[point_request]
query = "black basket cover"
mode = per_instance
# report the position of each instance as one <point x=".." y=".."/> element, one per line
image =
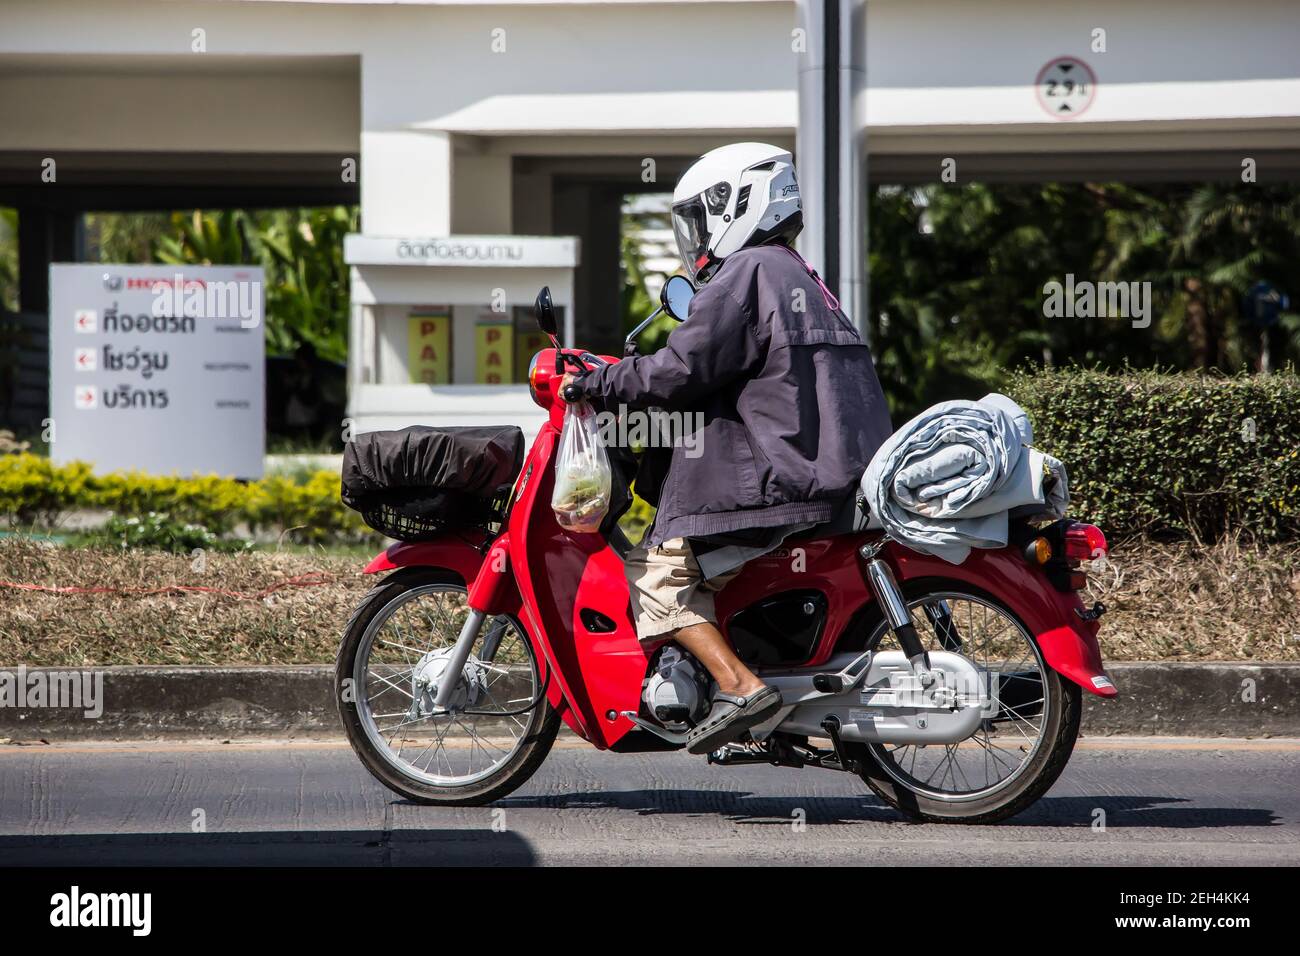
<point x="422" y="461"/>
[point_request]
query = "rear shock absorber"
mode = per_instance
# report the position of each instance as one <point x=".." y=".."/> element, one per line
<point x="885" y="587"/>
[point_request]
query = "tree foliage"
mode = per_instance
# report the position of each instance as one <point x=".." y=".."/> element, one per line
<point x="301" y="251"/>
<point x="957" y="277"/>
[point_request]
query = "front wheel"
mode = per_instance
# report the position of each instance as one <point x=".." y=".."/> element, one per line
<point x="1014" y="757"/>
<point x="498" y="727"/>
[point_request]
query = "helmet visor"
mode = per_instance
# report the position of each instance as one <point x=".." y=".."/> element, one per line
<point x="691" y="230"/>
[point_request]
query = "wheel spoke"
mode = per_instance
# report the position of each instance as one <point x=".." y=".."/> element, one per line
<point x="998" y="644"/>
<point x="410" y="638"/>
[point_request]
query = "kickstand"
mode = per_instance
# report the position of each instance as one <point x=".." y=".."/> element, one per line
<point x="832" y="727"/>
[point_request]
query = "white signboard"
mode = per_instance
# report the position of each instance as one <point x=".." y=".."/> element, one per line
<point x="159" y="368"/>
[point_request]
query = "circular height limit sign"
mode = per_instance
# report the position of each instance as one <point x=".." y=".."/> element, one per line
<point x="1065" y="87"/>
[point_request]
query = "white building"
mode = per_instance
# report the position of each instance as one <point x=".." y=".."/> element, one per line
<point x="472" y="125"/>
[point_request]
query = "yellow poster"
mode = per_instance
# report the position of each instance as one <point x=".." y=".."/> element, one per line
<point x="493" y="352"/>
<point x="527" y="344"/>
<point x="429" y="346"/>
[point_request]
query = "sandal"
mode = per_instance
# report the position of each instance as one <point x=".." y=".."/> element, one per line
<point x="731" y="716"/>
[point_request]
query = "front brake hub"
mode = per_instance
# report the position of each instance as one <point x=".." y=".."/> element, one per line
<point x="429" y="673"/>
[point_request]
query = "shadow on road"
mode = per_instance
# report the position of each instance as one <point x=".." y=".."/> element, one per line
<point x="482" y="846"/>
<point x="748" y="808"/>
<point x="1135" y="811"/>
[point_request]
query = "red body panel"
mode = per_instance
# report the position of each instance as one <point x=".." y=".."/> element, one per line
<point x="1069" y="643"/>
<point x="546" y="577"/>
<point x="560" y="574"/>
<point x="832" y="566"/>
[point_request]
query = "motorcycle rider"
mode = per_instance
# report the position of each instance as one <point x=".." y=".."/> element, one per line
<point x="792" y="413"/>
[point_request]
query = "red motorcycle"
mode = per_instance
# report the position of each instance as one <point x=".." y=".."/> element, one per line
<point x="954" y="691"/>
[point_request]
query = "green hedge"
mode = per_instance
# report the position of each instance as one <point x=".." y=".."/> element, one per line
<point x="34" y="491"/>
<point x="1170" y="455"/>
<point x="1173" y="455"/>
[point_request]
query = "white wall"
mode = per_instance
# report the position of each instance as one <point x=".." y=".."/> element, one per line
<point x="176" y="103"/>
<point x="953" y="63"/>
<point x="942" y="73"/>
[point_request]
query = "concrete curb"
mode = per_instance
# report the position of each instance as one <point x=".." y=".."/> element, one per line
<point x="1230" y="699"/>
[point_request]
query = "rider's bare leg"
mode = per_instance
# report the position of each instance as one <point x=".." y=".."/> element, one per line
<point x="705" y="642"/>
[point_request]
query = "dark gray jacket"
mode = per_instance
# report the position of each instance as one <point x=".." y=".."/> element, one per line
<point x="792" y="409"/>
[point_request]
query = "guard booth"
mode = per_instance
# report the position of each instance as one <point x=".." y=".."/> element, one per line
<point x="442" y="328"/>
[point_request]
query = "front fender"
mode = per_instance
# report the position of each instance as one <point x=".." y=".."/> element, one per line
<point x="462" y="555"/>
<point x="1068" y="642"/>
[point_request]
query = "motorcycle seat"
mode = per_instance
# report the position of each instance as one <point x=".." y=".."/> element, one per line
<point x="849" y="518"/>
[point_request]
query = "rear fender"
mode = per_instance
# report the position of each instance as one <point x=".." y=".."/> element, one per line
<point x="1068" y="642"/>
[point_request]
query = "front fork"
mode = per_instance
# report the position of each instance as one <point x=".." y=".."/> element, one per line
<point x="483" y="593"/>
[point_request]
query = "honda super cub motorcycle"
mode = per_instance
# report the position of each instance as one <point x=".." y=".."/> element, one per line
<point x="953" y="691"/>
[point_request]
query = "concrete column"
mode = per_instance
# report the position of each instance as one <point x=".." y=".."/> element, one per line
<point x="482" y="200"/>
<point x="831" y="145"/>
<point x="406" y="183"/>
<point x="531" y="201"/>
<point x="44" y="236"/>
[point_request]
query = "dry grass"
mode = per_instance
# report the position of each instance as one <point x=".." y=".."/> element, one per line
<point x="1167" y="602"/>
<point x="1183" y="601"/>
<point x="290" y="626"/>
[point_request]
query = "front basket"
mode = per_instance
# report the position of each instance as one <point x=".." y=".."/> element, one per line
<point x="407" y="518"/>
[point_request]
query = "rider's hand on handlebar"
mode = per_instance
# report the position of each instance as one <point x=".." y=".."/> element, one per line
<point x="568" y="390"/>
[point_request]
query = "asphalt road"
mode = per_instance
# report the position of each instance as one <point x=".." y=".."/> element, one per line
<point x="1176" y="803"/>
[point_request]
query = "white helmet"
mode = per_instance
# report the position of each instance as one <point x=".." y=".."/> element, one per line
<point x="734" y="196"/>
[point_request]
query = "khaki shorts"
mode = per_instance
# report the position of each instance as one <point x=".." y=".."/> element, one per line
<point x="668" y="591"/>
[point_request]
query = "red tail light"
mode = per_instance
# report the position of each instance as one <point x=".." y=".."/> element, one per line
<point x="1084" y="542"/>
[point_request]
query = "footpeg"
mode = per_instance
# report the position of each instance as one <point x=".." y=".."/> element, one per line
<point x="828" y="683"/>
<point x="1093" y="613"/>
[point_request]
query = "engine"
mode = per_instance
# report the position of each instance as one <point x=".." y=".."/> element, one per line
<point x="676" y="693"/>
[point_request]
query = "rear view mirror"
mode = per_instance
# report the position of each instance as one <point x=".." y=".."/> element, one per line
<point x="545" y="312"/>
<point x="675" y="297"/>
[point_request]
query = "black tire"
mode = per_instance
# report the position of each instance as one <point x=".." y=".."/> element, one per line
<point x="537" y="738"/>
<point x="1059" y="732"/>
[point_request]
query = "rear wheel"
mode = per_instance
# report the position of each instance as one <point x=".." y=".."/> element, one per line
<point x="1012" y="759"/>
<point x="499" y="726"/>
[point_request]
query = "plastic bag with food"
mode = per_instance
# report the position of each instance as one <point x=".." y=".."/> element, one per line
<point x="582" y="473"/>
